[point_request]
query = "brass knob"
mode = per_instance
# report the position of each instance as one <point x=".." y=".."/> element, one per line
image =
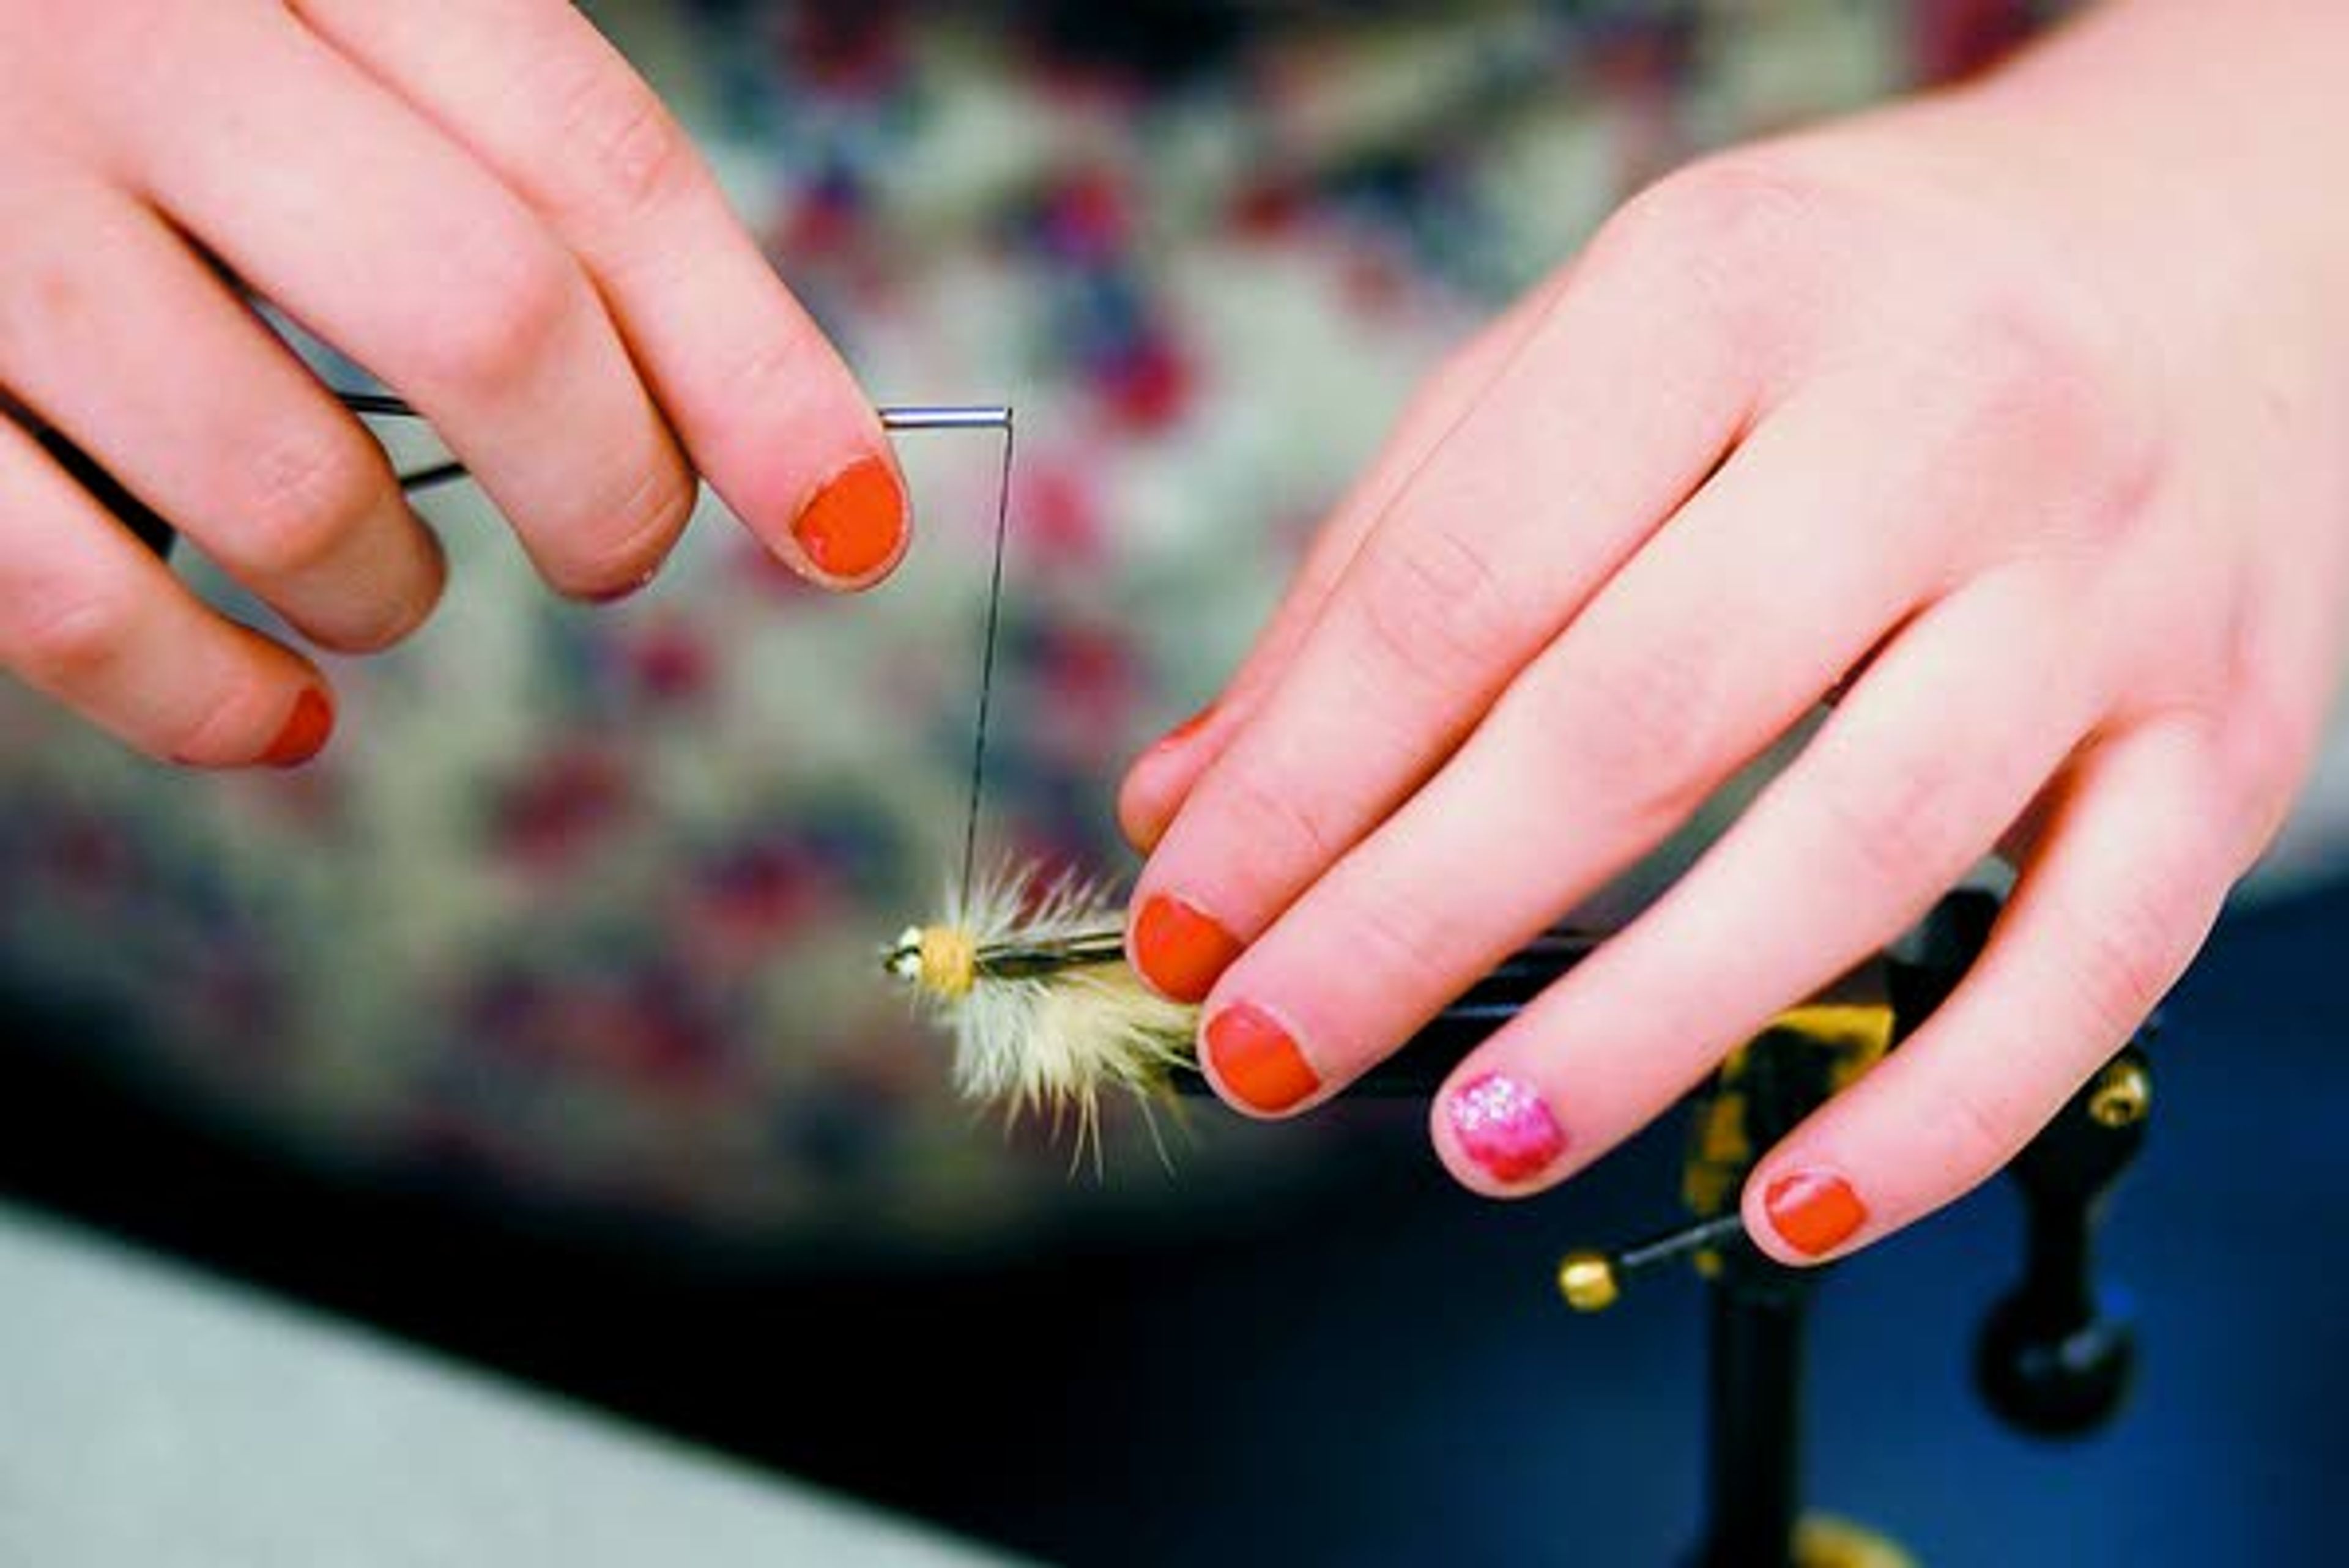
<point x="2123" y="1095"/>
<point x="1588" y="1282"/>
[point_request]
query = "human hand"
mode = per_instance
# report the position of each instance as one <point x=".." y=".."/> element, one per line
<point x="2014" y="418"/>
<point x="476" y="199"/>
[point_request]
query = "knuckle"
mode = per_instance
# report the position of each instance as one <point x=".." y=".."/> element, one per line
<point x="1281" y="825"/>
<point x="635" y="155"/>
<point x="1897" y="823"/>
<point x="68" y="640"/>
<point x="1387" y="939"/>
<point x="768" y="369"/>
<point x="1436" y="609"/>
<point x="1639" y="731"/>
<point x="1724" y="229"/>
<point x="2037" y="384"/>
<point x="50" y="298"/>
<point x="302" y="496"/>
<point x="517" y="297"/>
<point x="1984" y="1123"/>
<point x="1732" y="204"/>
<point x="2127" y="951"/>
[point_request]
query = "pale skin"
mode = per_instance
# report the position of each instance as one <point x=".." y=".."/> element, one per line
<point x="2024" y="410"/>
<point x="475" y="199"/>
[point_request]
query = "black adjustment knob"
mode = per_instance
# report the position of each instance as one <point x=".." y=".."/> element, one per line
<point x="2051" y="1377"/>
<point x="2051" y="1359"/>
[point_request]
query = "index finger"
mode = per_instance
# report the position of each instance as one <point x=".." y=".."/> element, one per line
<point x="1610" y="413"/>
<point x="761" y="400"/>
<point x="1160" y="779"/>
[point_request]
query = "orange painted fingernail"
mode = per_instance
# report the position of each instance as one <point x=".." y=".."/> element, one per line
<point x="852" y="526"/>
<point x="1256" y="1060"/>
<point x="1815" y="1210"/>
<point x="1179" y="949"/>
<point x="305" y="731"/>
<point x="1188" y="728"/>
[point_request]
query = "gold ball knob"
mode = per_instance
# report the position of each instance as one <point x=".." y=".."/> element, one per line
<point x="1588" y="1282"/>
<point x="2123" y="1096"/>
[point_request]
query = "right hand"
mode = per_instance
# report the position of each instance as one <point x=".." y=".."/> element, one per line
<point x="477" y="200"/>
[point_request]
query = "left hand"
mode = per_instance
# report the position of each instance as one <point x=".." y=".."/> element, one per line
<point x="2038" y="459"/>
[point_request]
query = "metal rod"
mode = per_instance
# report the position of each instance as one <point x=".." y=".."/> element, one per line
<point x="894" y="415"/>
<point x="1719" y="1231"/>
<point x="944" y="416"/>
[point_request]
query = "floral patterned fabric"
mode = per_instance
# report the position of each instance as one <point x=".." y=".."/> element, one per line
<point x="590" y="901"/>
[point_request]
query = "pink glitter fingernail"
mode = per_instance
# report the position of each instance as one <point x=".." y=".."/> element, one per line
<point x="1505" y="1127"/>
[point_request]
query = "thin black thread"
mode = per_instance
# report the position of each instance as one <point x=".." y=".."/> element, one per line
<point x="437" y="474"/>
<point x="987" y="665"/>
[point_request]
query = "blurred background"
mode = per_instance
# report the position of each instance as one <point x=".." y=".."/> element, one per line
<point x="540" y="1019"/>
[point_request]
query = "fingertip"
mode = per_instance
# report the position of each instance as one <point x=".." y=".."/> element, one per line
<point x="272" y="723"/>
<point x="1803" y="1213"/>
<point x="856" y="526"/>
<point x="1253" y="1061"/>
<point x="1498" y="1134"/>
<point x="401" y="613"/>
<point x="1156" y="782"/>
<point x="1143" y="808"/>
<point x="1178" y="949"/>
<point x="308" y="724"/>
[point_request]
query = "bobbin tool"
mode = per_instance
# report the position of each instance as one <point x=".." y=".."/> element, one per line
<point x="158" y="533"/>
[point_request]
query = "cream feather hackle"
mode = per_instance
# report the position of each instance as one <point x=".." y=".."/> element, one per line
<point x="1053" y="1042"/>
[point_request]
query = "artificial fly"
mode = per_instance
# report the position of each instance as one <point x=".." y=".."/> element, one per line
<point x="1028" y="974"/>
<point x="1029" y="971"/>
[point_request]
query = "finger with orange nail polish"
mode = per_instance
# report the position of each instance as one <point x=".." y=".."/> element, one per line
<point x="1255" y="1062"/>
<point x="1179" y="948"/>
<point x="853" y="528"/>
<point x="1814" y="1211"/>
<point x="305" y="731"/>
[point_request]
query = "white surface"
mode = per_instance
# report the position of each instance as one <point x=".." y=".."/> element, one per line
<point x="151" y="1416"/>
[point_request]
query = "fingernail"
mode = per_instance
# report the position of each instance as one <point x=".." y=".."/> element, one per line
<point x="1188" y="728"/>
<point x="1256" y="1059"/>
<point x="1505" y="1127"/>
<point x="1179" y="949"/>
<point x="1814" y="1210"/>
<point x="852" y="526"/>
<point x="305" y="731"/>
